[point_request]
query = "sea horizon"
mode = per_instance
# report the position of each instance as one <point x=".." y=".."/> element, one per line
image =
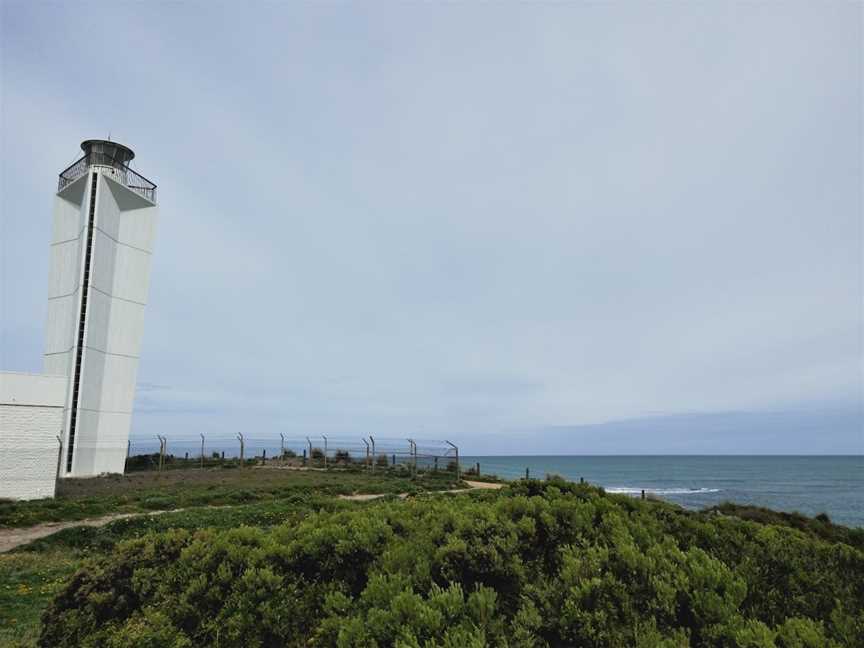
<point x="806" y="484"/>
<point x="674" y="454"/>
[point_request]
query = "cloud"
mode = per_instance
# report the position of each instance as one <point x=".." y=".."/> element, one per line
<point x="457" y="219"/>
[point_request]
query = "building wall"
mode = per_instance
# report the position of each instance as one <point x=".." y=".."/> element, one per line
<point x="119" y="282"/>
<point x="31" y="419"/>
<point x="65" y="277"/>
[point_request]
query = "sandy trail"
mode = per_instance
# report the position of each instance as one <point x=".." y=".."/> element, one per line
<point x="476" y="484"/>
<point x="472" y="485"/>
<point x="13" y="537"/>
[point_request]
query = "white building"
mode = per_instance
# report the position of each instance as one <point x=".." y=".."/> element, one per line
<point x="103" y="227"/>
<point x="31" y="422"/>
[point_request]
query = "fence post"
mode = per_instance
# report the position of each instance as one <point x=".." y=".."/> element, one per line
<point x="162" y="447"/>
<point x="366" y="443"/>
<point x="436" y="465"/>
<point x="394" y="461"/>
<point x="202" y="450"/>
<point x="282" y="448"/>
<point x="527" y="474"/>
<point x="374" y="458"/>
<point x="240" y="439"/>
<point x="325" y="451"/>
<point x="60" y="454"/>
<point x="458" y="472"/>
<point x="412" y="450"/>
<point x="309" y="441"/>
<point x="478" y="468"/>
<point x="264" y="457"/>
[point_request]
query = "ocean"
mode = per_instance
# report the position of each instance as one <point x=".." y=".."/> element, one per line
<point x="806" y="484"/>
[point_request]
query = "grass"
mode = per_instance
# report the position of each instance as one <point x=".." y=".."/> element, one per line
<point x="139" y="492"/>
<point x="259" y="496"/>
<point x="28" y="581"/>
<point x="818" y="527"/>
<point x="31" y="575"/>
<point x="86" y="541"/>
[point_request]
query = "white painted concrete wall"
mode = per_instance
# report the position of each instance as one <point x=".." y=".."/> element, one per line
<point x="65" y="277"/>
<point x="31" y="418"/>
<point x="119" y="282"/>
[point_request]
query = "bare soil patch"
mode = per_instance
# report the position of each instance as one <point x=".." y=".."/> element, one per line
<point x="487" y="485"/>
<point x="11" y="538"/>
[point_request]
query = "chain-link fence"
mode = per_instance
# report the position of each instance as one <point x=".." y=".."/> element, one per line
<point x="320" y="451"/>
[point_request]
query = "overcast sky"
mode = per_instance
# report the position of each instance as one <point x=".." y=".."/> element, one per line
<point x="454" y="220"/>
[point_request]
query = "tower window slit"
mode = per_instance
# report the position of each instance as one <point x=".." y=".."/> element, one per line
<point x="76" y="380"/>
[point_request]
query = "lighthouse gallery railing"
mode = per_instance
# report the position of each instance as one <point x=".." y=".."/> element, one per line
<point x="119" y="171"/>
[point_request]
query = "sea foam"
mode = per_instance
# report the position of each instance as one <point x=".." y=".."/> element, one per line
<point x="623" y="490"/>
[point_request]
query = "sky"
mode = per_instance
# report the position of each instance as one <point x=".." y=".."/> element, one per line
<point x="510" y="225"/>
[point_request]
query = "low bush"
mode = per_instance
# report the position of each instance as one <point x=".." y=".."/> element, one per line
<point x="819" y="526"/>
<point x="148" y="491"/>
<point x="157" y="503"/>
<point x="538" y="564"/>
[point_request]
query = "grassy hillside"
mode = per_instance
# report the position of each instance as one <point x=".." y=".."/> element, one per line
<point x="261" y="497"/>
<point x="537" y="564"/>
<point x="140" y="492"/>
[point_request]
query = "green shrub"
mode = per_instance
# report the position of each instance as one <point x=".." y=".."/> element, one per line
<point x="157" y="503"/>
<point x="539" y="564"/>
<point x="142" y="462"/>
<point x="819" y="526"/>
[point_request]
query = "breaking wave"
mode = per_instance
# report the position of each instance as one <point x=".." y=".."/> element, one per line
<point x="660" y="491"/>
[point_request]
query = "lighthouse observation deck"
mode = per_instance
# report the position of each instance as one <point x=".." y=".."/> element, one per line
<point x="112" y="158"/>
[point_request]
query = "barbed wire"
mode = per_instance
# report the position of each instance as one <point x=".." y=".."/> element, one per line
<point x="259" y="444"/>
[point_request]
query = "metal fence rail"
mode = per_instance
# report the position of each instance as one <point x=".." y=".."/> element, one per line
<point x="118" y="171"/>
<point x="326" y="451"/>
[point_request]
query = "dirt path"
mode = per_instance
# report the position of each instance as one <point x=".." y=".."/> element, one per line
<point x="11" y="538"/>
<point x="487" y="485"/>
<point x="472" y="485"/>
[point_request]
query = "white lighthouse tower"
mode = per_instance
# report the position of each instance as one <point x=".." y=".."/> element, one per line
<point x="104" y="223"/>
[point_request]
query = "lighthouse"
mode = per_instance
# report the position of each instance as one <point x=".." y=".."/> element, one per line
<point x="104" y="223"/>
